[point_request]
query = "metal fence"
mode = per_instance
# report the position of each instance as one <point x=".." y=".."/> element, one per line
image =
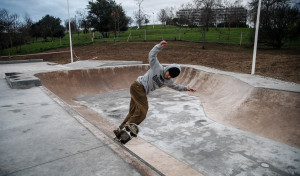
<point x="240" y="37"/>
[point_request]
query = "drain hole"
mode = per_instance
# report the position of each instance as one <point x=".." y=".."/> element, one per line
<point x="265" y="165"/>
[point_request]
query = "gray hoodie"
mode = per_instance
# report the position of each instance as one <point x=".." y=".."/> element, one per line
<point x="155" y="76"/>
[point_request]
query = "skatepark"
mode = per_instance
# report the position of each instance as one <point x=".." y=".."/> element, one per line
<point x="58" y="119"/>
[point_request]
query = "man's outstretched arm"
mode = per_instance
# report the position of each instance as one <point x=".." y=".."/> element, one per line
<point x="154" y="51"/>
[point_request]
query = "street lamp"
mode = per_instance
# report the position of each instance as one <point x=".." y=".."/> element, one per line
<point x="70" y="33"/>
<point x="153" y="20"/>
<point x="256" y="36"/>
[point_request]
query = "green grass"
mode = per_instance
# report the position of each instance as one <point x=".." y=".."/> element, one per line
<point x="159" y="32"/>
<point x="214" y="35"/>
<point x="38" y="45"/>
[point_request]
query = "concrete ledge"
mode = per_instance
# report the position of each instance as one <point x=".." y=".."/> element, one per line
<point x="122" y="63"/>
<point x="22" y="81"/>
<point x="21" y="61"/>
<point x="84" y="64"/>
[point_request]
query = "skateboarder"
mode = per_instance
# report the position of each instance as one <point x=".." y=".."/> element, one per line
<point x="156" y="77"/>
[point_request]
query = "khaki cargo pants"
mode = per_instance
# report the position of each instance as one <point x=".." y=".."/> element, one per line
<point x="138" y="104"/>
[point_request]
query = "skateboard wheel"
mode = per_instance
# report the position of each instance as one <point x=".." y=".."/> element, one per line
<point x="124" y="137"/>
<point x="133" y="129"/>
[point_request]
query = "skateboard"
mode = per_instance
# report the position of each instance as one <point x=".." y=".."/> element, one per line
<point x="127" y="133"/>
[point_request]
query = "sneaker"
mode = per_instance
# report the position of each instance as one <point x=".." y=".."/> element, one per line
<point x="117" y="131"/>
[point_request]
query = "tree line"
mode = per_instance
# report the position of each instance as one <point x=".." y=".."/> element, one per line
<point x="15" y="32"/>
<point x="102" y="15"/>
<point x="279" y="20"/>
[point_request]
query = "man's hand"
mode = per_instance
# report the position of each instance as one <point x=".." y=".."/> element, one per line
<point x="192" y="90"/>
<point x="163" y="43"/>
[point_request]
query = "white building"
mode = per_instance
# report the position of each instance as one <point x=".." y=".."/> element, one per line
<point x="217" y="16"/>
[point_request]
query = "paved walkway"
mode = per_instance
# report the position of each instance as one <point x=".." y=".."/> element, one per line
<point x="39" y="137"/>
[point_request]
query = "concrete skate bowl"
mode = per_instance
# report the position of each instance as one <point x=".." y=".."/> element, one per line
<point x="269" y="113"/>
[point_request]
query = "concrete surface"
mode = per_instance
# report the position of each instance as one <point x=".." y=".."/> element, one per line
<point x="254" y="80"/>
<point x="235" y="124"/>
<point x="177" y="124"/>
<point x="22" y="80"/>
<point x="21" y="61"/>
<point x="227" y="100"/>
<point x="38" y="137"/>
<point x="97" y="64"/>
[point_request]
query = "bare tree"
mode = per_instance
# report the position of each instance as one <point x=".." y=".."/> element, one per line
<point x="277" y="21"/>
<point x="166" y="16"/>
<point x="139" y="15"/>
<point x="146" y="20"/>
<point x="118" y="18"/>
<point x="186" y="15"/>
<point x="10" y="25"/>
<point x="25" y="30"/>
<point x="170" y="15"/>
<point x="130" y="21"/>
<point x="3" y="22"/>
<point x="82" y="20"/>
<point x="162" y="16"/>
<point x="73" y="25"/>
<point x="235" y="13"/>
<point x="207" y="16"/>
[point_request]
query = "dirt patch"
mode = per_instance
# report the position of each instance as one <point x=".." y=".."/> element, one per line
<point x="281" y="64"/>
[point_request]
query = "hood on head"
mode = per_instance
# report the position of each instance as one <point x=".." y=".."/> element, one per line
<point x="171" y="66"/>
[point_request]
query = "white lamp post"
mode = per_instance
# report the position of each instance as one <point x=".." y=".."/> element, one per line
<point x="70" y="33"/>
<point x="256" y="37"/>
<point x="153" y="20"/>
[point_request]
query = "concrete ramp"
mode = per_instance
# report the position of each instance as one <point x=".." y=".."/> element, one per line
<point x="271" y="113"/>
<point x="227" y="100"/>
<point x="221" y="143"/>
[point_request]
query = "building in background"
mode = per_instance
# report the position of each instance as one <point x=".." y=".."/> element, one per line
<point x="233" y="17"/>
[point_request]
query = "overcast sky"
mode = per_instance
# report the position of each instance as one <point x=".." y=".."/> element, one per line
<point x="36" y="9"/>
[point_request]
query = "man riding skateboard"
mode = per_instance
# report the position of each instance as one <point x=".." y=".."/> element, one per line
<point x="156" y="77"/>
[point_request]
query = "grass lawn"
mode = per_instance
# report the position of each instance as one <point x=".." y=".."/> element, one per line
<point x="236" y="36"/>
